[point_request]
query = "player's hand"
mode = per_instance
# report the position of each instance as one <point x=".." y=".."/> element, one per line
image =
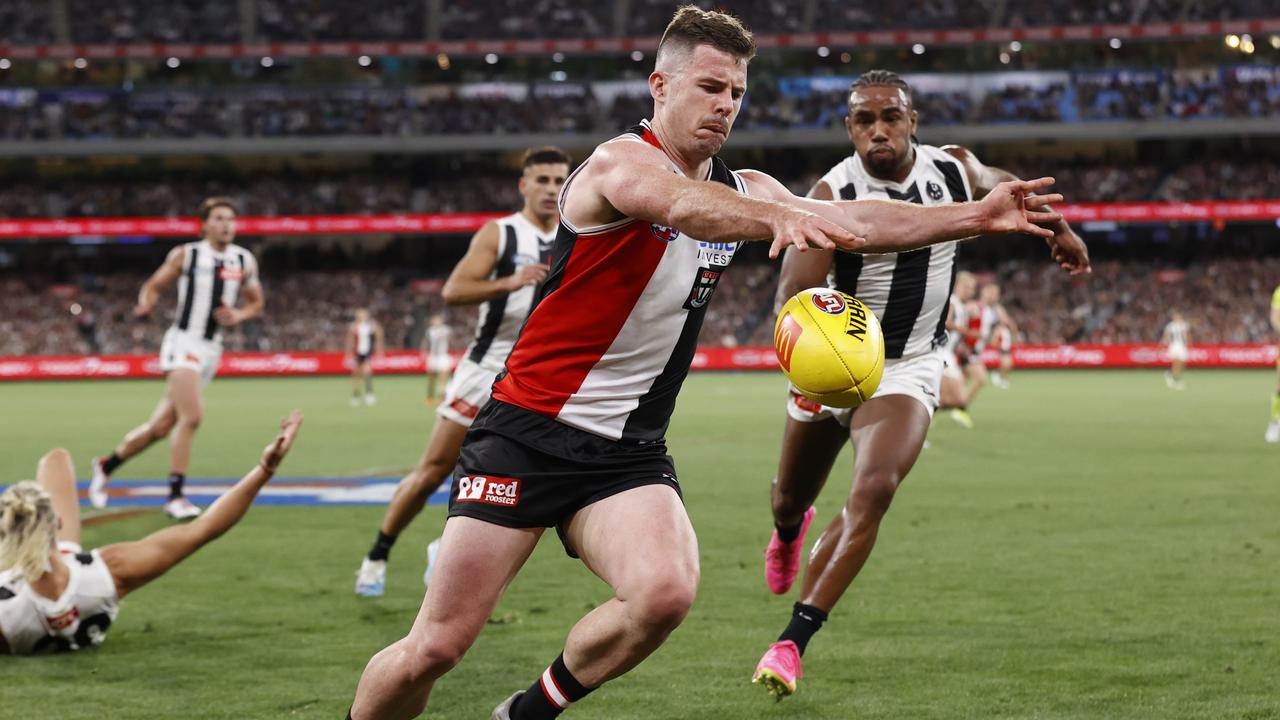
<point x="1011" y="207"/>
<point x="1069" y="251"/>
<point x="530" y="274"/>
<point x="142" y="310"/>
<point x="803" y="230"/>
<point x="226" y="316"/>
<point x="274" y="453"/>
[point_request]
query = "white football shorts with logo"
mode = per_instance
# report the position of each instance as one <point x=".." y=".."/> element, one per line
<point x="183" y="350"/>
<point x="919" y="377"/>
<point x="437" y="363"/>
<point x="78" y="619"/>
<point x="1178" y="352"/>
<point x="468" y="390"/>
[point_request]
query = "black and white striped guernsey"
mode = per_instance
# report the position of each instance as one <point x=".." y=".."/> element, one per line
<point x="520" y="243"/>
<point x="907" y="291"/>
<point x="209" y="280"/>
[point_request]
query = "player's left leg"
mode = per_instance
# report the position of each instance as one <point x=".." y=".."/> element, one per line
<point x="57" y="475"/>
<point x="641" y="543"/>
<point x="356" y="381"/>
<point x="809" y="449"/>
<point x="134" y="564"/>
<point x="157" y="427"/>
<point x="366" y="371"/>
<point x="888" y="434"/>
<point x="185" y="392"/>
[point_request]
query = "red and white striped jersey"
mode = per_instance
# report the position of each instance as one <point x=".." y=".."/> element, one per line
<point x="611" y="338"/>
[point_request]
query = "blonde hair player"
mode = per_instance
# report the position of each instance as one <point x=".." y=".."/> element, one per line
<point x="909" y="291"/>
<point x="56" y="597"/>
<point x="435" y="356"/>
<point x="213" y="275"/>
<point x="1176" y="339"/>
<point x="504" y="264"/>
<point x="365" y="341"/>
<point x="573" y="437"/>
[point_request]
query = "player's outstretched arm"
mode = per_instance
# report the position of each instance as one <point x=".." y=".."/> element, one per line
<point x="1066" y="247"/>
<point x="801" y="271"/>
<point x="893" y="226"/>
<point x="469" y="283"/>
<point x="163" y="277"/>
<point x="634" y="179"/>
<point x="134" y="564"/>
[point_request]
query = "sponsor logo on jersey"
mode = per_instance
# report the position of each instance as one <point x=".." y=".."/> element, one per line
<point x="831" y="303"/>
<point x="934" y="190"/>
<point x="664" y="233"/>
<point x="231" y="274"/>
<point x="857" y="321"/>
<point x="704" y="285"/>
<point x="464" y="408"/>
<point x="489" y="490"/>
<point x="785" y="339"/>
<point x="805" y="404"/>
<point x="716" y="253"/>
<point x="64" y="621"/>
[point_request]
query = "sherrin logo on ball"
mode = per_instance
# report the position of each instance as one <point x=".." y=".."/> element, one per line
<point x="830" y="346"/>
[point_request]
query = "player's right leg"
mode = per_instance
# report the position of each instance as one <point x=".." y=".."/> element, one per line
<point x="134" y="564"/>
<point x="953" y="395"/>
<point x="437" y="461"/>
<point x="185" y="386"/>
<point x="366" y="373"/>
<point x="157" y="427"/>
<point x="811" y="442"/>
<point x="477" y="561"/>
<point x="356" y="381"/>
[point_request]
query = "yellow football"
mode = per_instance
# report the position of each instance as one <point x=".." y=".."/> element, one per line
<point x="830" y="346"/>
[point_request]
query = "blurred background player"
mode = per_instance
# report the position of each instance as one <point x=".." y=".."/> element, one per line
<point x="365" y="340"/>
<point x="1175" y="338"/>
<point x="213" y="275"/>
<point x="993" y="318"/>
<point x="1273" y="428"/>
<point x="959" y="384"/>
<point x="909" y="292"/>
<point x="435" y="343"/>
<point x="504" y="264"/>
<point x="58" y="597"/>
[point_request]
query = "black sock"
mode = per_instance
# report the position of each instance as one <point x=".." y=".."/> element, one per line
<point x="789" y="534"/>
<point x="382" y="546"/>
<point x="111" y="463"/>
<point x="550" y="694"/>
<point x="805" y="621"/>
<point x="175" y="484"/>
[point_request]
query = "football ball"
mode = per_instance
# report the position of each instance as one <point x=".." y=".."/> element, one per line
<point x="830" y="346"/>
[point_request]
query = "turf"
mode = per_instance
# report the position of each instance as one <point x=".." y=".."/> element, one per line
<point x="1098" y="547"/>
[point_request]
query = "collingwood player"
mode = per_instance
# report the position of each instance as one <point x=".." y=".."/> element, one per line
<point x="213" y="275"/>
<point x="365" y="341"/>
<point x="435" y="346"/>
<point x="1176" y="337"/>
<point x="506" y="261"/>
<point x="909" y="292"/>
<point x="55" y="597"/>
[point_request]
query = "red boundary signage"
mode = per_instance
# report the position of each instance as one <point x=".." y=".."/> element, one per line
<point x="886" y="38"/>
<point x="461" y="223"/>
<point x="743" y="358"/>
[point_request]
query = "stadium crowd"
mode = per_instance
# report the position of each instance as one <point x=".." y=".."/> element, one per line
<point x="282" y="111"/>
<point x="1225" y="300"/>
<point x="178" y="21"/>
<point x="308" y="192"/>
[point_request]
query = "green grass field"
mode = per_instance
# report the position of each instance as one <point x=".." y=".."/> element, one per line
<point x="1098" y="547"/>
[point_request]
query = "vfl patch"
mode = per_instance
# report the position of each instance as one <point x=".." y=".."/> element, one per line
<point x="831" y="303"/>
<point x="504" y="492"/>
<point x="664" y="233"/>
<point x="64" y="621"/>
<point x="812" y="407"/>
<point x="231" y="274"/>
<point x="934" y="190"/>
<point x="464" y="408"/>
<point x="704" y="285"/>
<point x="785" y="339"/>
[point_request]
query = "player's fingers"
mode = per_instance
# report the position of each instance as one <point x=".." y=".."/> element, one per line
<point x="1030" y="186"/>
<point x="838" y="234"/>
<point x="1043" y="218"/>
<point x="1035" y="201"/>
<point x="1031" y="229"/>
<point x="775" y="247"/>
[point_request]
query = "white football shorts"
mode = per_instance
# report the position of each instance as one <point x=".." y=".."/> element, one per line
<point x="919" y="377"/>
<point x="184" y="350"/>
<point x="468" y="390"/>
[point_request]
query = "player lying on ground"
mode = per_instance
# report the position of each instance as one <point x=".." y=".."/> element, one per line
<point x="506" y="260"/>
<point x="213" y="275"/>
<point x="909" y="292"/>
<point x="574" y="435"/>
<point x="54" y="596"/>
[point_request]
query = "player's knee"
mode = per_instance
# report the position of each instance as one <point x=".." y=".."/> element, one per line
<point x="161" y="428"/>
<point x="665" y="601"/>
<point x="56" y="456"/>
<point x="786" y="502"/>
<point x="433" y="656"/>
<point x="191" y="420"/>
<point x="873" y="492"/>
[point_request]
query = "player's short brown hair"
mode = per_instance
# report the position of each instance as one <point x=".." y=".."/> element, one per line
<point x="212" y="203"/>
<point x="549" y="155"/>
<point x="692" y="26"/>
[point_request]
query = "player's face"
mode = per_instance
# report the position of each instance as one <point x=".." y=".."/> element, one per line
<point x="990" y="295"/>
<point x="220" y="227"/>
<point x="880" y="124"/>
<point x="540" y="185"/>
<point x="964" y="288"/>
<point x="700" y="99"/>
